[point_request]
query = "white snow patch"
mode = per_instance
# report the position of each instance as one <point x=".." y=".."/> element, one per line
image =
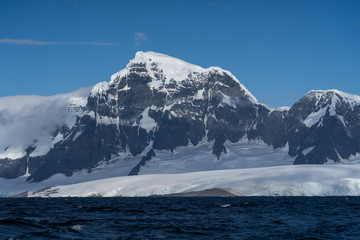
<point x="59" y="137"/>
<point x="77" y="134"/>
<point x="283" y="109"/>
<point x="227" y="100"/>
<point x="99" y="89"/>
<point x="315" y="117"/>
<point x="155" y="84"/>
<point x="90" y="113"/>
<point x="199" y="95"/>
<point x="126" y="88"/>
<point x="105" y="120"/>
<point x="146" y="121"/>
<point x="332" y="111"/>
<point x="307" y="150"/>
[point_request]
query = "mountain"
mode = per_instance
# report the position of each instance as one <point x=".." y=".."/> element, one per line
<point x="324" y="125"/>
<point x="159" y="109"/>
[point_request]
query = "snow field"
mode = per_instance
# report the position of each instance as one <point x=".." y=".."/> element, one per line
<point x="304" y="180"/>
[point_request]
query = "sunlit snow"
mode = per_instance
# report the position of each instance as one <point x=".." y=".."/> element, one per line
<point x="200" y="158"/>
<point x="304" y="180"/>
<point x="147" y="122"/>
<point x="315" y="117"/>
<point x="171" y="69"/>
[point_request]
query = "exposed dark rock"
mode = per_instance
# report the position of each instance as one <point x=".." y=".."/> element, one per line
<point x="143" y="108"/>
<point x="135" y="170"/>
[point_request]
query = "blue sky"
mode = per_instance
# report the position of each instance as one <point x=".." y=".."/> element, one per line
<point x="278" y="49"/>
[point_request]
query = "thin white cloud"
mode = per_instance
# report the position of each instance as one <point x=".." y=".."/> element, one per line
<point x="140" y="38"/>
<point x="35" y="42"/>
<point x="97" y="43"/>
<point x="25" y="42"/>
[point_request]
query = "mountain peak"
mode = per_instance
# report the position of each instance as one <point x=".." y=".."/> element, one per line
<point x="164" y="69"/>
<point x="334" y="91"/>
<point x="170" y="67"/>
<point x="333" y="97"/>
<point x="164" y="61"/>
<point x="319" y="103"/>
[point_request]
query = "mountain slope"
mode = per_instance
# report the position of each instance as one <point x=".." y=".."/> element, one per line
<point x="144" y="107"/>
<point x="159" y="104"/>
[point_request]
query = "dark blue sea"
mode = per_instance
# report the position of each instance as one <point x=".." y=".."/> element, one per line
<point x="181" y="218"/>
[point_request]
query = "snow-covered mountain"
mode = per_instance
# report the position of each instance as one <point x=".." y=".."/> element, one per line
<point x="323" y="126"/>
<point x="163" y="115"/>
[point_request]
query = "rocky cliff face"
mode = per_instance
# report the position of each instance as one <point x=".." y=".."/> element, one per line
<point x="324" y="125"/>
<point x="161" y="103"/>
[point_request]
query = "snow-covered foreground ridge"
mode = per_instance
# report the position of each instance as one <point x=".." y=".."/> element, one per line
<point x="304" y="180"/>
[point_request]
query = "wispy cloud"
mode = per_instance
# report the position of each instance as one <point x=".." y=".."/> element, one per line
<point x="140" y="38"/>
<point x="25" y="42"/>
<point x="35" y="42"/>
<point x="97" y="43"/>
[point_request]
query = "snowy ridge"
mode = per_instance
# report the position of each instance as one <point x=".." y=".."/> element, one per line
<point x="333" y="97"/>
<point x="99" y="89"/>
<point x="352" y="99"/>
<point x="305" y="180"/>
<point x="327" y="101"/>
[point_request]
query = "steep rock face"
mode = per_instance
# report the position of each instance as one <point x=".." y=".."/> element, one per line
<point x="148" y="106"/>
<point x="161" y="103"/>
<point x="324" y="125"/>
<point x="270" y="126"/>
<point x="321" y="126"/>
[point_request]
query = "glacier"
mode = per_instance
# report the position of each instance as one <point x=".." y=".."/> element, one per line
<point x="295" y="180"/>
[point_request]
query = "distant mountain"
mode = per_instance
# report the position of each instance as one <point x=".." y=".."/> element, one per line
<point x="323" y="126"/>
<point x="161" y="105"/>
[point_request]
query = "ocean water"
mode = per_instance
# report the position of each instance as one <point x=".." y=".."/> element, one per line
<point x="181" y="218"/>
